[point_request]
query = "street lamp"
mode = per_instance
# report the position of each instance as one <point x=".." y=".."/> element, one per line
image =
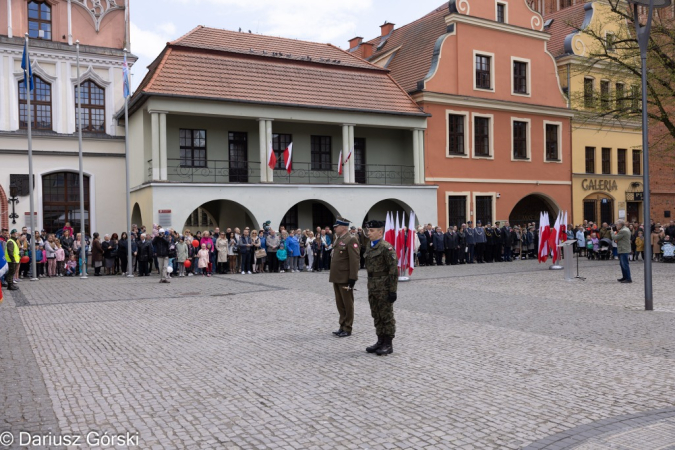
<point x="642" y="34"/>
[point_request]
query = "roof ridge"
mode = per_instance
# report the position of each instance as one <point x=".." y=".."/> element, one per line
<point x="176" y="41"/>
<point x="158" y="69"/>
<point x="439" y="9"/>
<point x="373" y="66"/>
<point x="264" y="35"/>
<point x="562" y="12"/>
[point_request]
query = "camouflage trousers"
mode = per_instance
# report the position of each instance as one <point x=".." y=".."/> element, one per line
<point x="383" y="312"/>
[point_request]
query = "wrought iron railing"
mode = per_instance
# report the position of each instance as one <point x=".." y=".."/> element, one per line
<point x="225" y="171"/>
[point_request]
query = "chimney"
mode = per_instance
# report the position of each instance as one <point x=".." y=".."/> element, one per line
<point x="367" y="50"/>
<point x="386" y="28"/>
<point x="355" y="42"/>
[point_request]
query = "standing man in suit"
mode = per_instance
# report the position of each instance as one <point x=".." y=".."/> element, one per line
<point x="470" y="242"/>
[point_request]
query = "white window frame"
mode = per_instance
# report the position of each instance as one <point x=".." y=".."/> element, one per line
<point x="494" y="205"/>
<point x="467" y="136"/>
<point x="528" y="75"/>
<point x="560" y="154"/>
<point x="492" y="71"/>
<point x="492" y="135"/>
<point x="506" y="10"/>
<point x="468" y="211"/>
<point x="529" y="139"/>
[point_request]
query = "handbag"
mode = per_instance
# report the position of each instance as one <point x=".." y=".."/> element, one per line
<point x="260" y="253"/>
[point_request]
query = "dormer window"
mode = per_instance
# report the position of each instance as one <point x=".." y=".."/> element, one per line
<point x="39" y="20"/>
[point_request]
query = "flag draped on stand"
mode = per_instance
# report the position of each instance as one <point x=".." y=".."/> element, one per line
<point x="554" y="239"/>
<point x="25" y="66"/>
<point x="544" y="233"/>
<point x="125" y="74"/>
<point x="288" y="155"/>
<point x="389" y="233"/>
<point x="400" y="243"/>
<point x="340" y="163"/>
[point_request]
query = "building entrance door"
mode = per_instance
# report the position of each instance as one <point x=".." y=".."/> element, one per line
<point x="633" y="211"/>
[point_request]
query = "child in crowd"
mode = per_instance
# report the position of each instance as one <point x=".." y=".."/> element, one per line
<point x="181" y="255"/>
<point x="71" y="266"/>
<point x="282" y="256"/>
<point x="41" y="259"/>
<point x="204" y="256"/>
<point x="639" y="246"/>
<point x="60" y="258"/>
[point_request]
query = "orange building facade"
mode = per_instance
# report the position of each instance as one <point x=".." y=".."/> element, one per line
<point x="498" y="142"/>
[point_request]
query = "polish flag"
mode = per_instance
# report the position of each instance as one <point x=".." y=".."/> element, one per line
<point x="340" y="163"/>
<point x="411" y="244"/>
<point x="400" y="242"/>
<point x="288" y="155"/>
<point x="554" y="239"/>
<point x="389" y="233"/>
<point x="545" y="230"/>
<point x="349" y="155"/>
<point x="272" y="159"/>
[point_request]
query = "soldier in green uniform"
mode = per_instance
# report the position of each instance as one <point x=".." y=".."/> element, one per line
<point x="382" y="267"/>
<point x="344" y="272"/>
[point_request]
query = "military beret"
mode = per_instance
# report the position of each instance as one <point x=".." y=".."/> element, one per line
<point x="374" y="224"/>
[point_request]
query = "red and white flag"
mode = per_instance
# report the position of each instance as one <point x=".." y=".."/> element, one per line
<point x="272" y="159"/>
<point x="340" y="163"/>
<point x="288" y="158"/>
<point x="349" y="155"/>
<point x="400" y="242"/>
<point x="411" y="244"/>
<point x="554" y="239"/>
<point x="544" y="233"/>
<point x="389" y="233"/>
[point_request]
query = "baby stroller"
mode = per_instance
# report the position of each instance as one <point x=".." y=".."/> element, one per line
<point x="668" y="250"/>
<point x="605" y="249"/>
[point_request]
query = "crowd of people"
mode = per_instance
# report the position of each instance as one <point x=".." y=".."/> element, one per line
<point x="250" y="251"/>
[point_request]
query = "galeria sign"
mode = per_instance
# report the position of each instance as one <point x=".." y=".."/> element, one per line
<point x="599" y="185"/>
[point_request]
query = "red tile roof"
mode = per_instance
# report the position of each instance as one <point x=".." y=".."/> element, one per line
<point x="565" y="22"/>
<point x="416" y="41"/>
<point x="231" y="66"/>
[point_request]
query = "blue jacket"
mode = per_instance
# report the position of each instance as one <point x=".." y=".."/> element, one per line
<point x="439" y="241"/>
<point x="424" y="245"/>
<point x="292" y="246"/>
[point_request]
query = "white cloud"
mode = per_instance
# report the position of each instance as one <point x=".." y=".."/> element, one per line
<point x="148" y="44"/>
<point x="167" y="28"/>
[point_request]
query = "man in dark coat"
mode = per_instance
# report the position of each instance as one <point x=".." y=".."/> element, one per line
<point x="507" y="241"/>
<point x="439" y="245"/>
<point x="145" y="256"/>
<point x="430" y="242"/>
<point x="470" y="242"/>
<point x="451" y="242"/>
<point x="424" y="248"/>
<point x="161" y="244"/>
<point x="481" y="239"/>
<point x="461" y="250"/>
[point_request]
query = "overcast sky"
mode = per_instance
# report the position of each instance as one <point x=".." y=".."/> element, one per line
<point x="152" y="26"/>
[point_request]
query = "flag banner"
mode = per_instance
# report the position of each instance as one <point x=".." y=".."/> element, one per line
<point x="340" y="163"/>
<point x="288" y="158"/>
<point x="349" y="155"/>
<point x="400" y="242"/>
<point x="25" y="66"/>
<point x="411" y="243"/>
<point x="125" y="74"/>
<point x="272" y="159"/>
<point x="389" y="233"/>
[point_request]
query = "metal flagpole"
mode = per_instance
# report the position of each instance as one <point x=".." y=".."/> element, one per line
<point x="33" y="222"/>
<point x="130" y="265"/>
<point x="83" y="249"/>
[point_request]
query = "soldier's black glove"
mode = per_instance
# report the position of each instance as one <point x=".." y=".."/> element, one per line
<point x="351" y="284"/>
<point x="392" y="297"/>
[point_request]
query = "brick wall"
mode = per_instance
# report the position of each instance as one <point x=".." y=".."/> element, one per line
<point x="662" y="173"/>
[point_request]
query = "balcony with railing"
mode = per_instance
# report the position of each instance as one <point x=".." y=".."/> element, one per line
<point x="217" y="171"/>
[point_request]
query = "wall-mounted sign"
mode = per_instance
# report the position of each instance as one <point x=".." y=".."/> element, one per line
<point x="599" y="185"/>
<point x="164" y="218"/>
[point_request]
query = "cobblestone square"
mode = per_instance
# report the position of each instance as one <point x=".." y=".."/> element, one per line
<point x="490" y="356"/>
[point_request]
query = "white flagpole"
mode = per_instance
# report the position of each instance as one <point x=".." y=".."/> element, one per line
<point x="83" y="249"/>
<point x="130" y="265"/>
<point x="33" y="222"/>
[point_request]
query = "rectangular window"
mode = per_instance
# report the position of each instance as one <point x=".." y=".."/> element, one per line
<point x="192" y="148"/>
<point x="635" y="98"/>
<point x="621" y="161"/>
<point x="519" y="140"/>
<point x="610" y="42"/>
<point x="604" y="94"/>
<point x="456" y="210"/>
<point x="588" y="93"/>
<point x="637" y="162"/>
<point x="321" y="151"/>
<point x="483" y="75"/>
<point x="552" y="144"/>
<point x="360" y="160"/>
<point x="39" y="20"/>
<point x="501" y="13"/>
<point x="606" y="161"/>
<point x="590" y="159"/>
<point x="238" y="150"/>
<point x="620" y="96"/>
<point x="481" y="136"/>
<point x="279" y="143"/>
<point x="520" y="77"/>
<point x="484" y="208"/>
<point x="456" y="135"/>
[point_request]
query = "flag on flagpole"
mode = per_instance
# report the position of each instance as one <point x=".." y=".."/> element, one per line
<point x="543" y="242"/>
<point x="351" y="150"/>
<point x="25" y="66"/>
<point x="272" y="159"/>
<point x="411" y="243"/>
<point x="340" y="163"/>
<point x="125" y="75"/>
<point x="400" y="242"/>
<point x="554" y="239"/>
<point x="288" y="155"/>
<point x="389" y="234"/>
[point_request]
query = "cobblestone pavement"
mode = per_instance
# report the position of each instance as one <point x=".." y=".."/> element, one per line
<point x="491" y="356"/>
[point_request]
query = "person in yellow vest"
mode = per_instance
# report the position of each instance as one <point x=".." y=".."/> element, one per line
<point x="13" y="260"/>
<point x="344" y="272"/>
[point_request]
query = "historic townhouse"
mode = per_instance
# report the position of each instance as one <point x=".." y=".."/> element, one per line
<point x="216" y="103"/>
<point x="498" y="142"/>
<point x="54" y="26"/>
<point x="606" y="153"/>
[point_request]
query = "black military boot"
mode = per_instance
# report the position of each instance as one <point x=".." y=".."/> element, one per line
<point x="386" y="348"/>
<point x="373" y="348"/>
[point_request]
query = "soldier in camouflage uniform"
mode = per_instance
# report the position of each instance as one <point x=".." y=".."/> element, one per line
<point x="382" y="268"/>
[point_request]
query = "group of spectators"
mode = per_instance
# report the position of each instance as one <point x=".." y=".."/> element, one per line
<point x="250" y="251"/>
